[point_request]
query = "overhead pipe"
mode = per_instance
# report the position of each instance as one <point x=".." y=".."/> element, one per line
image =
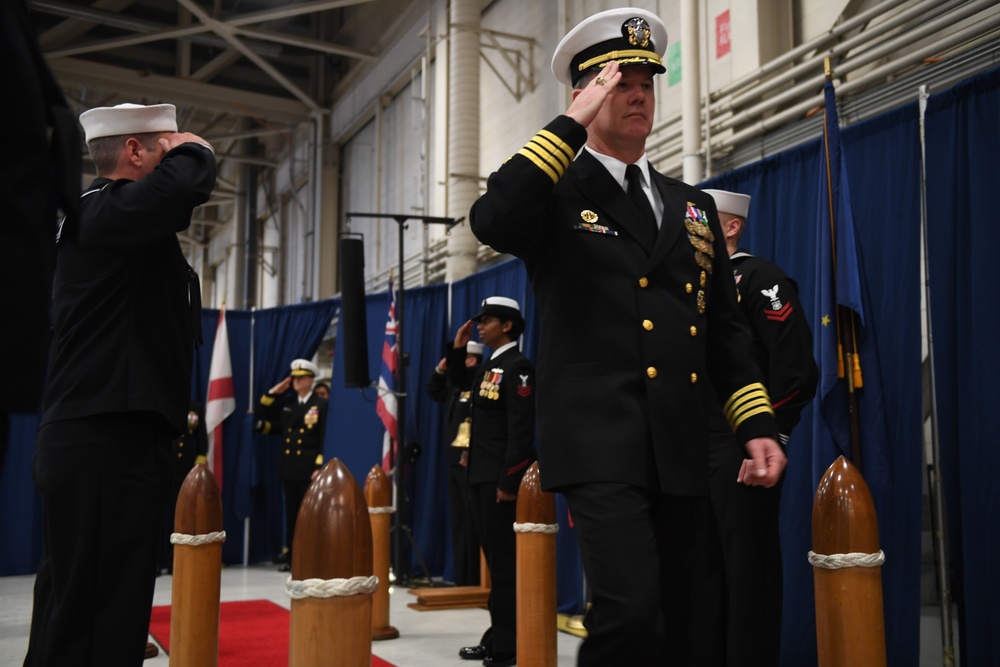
<point x="807" y="47"/>
<point x="917" y="12"/>
<point x="463" y="131"/>
<point x="691" y="91"/>
<point x="862" y="82"/>
<point x="866" y="57"/>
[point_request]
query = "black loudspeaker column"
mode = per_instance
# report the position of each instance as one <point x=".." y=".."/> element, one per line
<point x="352" y="311"/>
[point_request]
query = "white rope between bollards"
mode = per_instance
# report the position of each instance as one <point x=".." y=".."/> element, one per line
<point x="549" y="528"/>
<point x="841" y="561"/>
<point x="328" y="588"/>
<point x="381" y="510"/>
<point x="197" y="540"/>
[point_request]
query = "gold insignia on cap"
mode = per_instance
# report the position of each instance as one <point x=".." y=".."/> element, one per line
<point x="637" y="31"/>
<point x="588" y="215"/>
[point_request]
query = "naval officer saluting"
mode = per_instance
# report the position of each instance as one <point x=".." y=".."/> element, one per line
<point x="638" y="312"/>
<point x="299" y="417"/>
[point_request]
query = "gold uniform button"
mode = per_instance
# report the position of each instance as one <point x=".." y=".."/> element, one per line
<point x="288" y="440"/>
<point x="644" y="282"/>
<point x="688" y="288"/>
<point x="694" y="378"/>
<point x="298" y="452"/>
<point x="647" y="325"/>
<point x="302" y="430"/>
<point x="287" y="452"/>
<point x="694" y="331"/>
<point x="651" y="372"/>
<point x="299" y="442"/>
<point x="179" y="455"/>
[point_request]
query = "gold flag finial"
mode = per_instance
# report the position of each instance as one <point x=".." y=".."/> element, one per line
<point x="827" y="68"/>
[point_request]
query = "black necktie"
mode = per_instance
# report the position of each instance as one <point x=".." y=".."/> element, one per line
<point x="639" y="198"/>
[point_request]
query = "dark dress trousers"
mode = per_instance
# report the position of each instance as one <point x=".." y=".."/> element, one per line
<point x="739" y="585"/>
<point x="457" y="401"/>
<point x="126" y="308"/>
<point x="300" y="427"/>
<point x="501" y="449"/>
<point x="633" y="326"/>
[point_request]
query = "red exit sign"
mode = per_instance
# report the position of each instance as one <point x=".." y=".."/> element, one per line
<point x="722" y="41"/>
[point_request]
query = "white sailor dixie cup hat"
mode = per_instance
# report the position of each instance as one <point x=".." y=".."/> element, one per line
<point x="733" y="203"/>
<point x="128" y="119"/>
<point x="629" y="35"/>
<point x="502" y="307"/>
<point x="304" y="368"/>
<point x="474" y="348"/>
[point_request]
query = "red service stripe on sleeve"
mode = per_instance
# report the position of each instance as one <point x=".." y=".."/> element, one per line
<point x="786" y="399"/>
<point x="523" y="391"/>
<point x="779" y="315"/>
<point x="522" y="464"/>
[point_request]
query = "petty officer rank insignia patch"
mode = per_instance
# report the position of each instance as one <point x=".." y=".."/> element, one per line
<point x="490" y="386"/>
<point x="589" y="224"/>
<point x="778" y="312"/>
<point x="311" y="417"/>
<point x="524" y="389"/>
<point x="700" y="235"/>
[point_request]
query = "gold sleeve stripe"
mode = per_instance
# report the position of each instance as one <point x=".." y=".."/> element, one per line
<point x="540" y="164"/>
<point x="266" y="400"/>
<point x="543" y="147"/>
<point x="558" y="144"/>
<point x="747" y="402"/>
<point x="554" y="159"/>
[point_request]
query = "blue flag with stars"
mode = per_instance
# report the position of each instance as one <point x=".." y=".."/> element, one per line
<point x="840" y="282"/>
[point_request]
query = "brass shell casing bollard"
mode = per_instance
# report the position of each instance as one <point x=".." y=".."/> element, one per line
<point x="197" y="578"/>
<point x="536" y="529"/>
<point x="847" y="573"/>
<point x="378" y="495"/>
<point x="332" y="549"/>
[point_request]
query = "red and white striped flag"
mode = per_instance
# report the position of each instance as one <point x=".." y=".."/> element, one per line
<point x="385" y="405"/>
<point x="221" y="397"/>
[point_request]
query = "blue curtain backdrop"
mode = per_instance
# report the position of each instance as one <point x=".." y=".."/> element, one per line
<point x="963" y="142"/>
<point x="963" y="135"/>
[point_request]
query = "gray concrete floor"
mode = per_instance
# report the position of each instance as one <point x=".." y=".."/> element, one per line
<point x="427" y="638"/>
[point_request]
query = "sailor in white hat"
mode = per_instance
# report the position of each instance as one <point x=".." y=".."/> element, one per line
<point x="126" y="314"/>
<point x="744" y="535"/>
<point x="501" y="448"/>
<point x="637" y="313"/>
<point x="299" y="418"/>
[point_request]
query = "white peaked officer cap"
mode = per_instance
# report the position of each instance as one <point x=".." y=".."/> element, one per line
<point x="730" y="202"/>
<point x="128" y="119"/>
<point x="474" y="348"/>
<point x="304" y="368"/>
<point x="629" y="35"/>
<point x="500" y="306"/>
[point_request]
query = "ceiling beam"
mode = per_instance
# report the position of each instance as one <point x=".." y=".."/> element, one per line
<point x="76" y="72"/>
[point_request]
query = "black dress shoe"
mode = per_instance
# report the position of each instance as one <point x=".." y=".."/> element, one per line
<point x="500" y="660"/>
<point x="284" y="557"/>
<point x="477" y="652"/>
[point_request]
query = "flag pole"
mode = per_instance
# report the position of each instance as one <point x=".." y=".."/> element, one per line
<point x="848" y="363"/>
<point x="938" y="522"/>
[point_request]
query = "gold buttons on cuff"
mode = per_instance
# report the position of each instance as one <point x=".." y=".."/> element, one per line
<point x="647" y="325"/>
<point x="694" y="331"/>
<point x="644" y="282"/>
<point x="694" y="378"/>
<point x="688" y="288"/>
<point x="651" y="372"/>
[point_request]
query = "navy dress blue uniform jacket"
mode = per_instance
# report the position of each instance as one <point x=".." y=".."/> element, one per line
<point x="632" y="325"/>
<point x="301" y="429"/>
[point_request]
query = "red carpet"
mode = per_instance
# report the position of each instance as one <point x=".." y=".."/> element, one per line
<point x="251" y="634"/>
